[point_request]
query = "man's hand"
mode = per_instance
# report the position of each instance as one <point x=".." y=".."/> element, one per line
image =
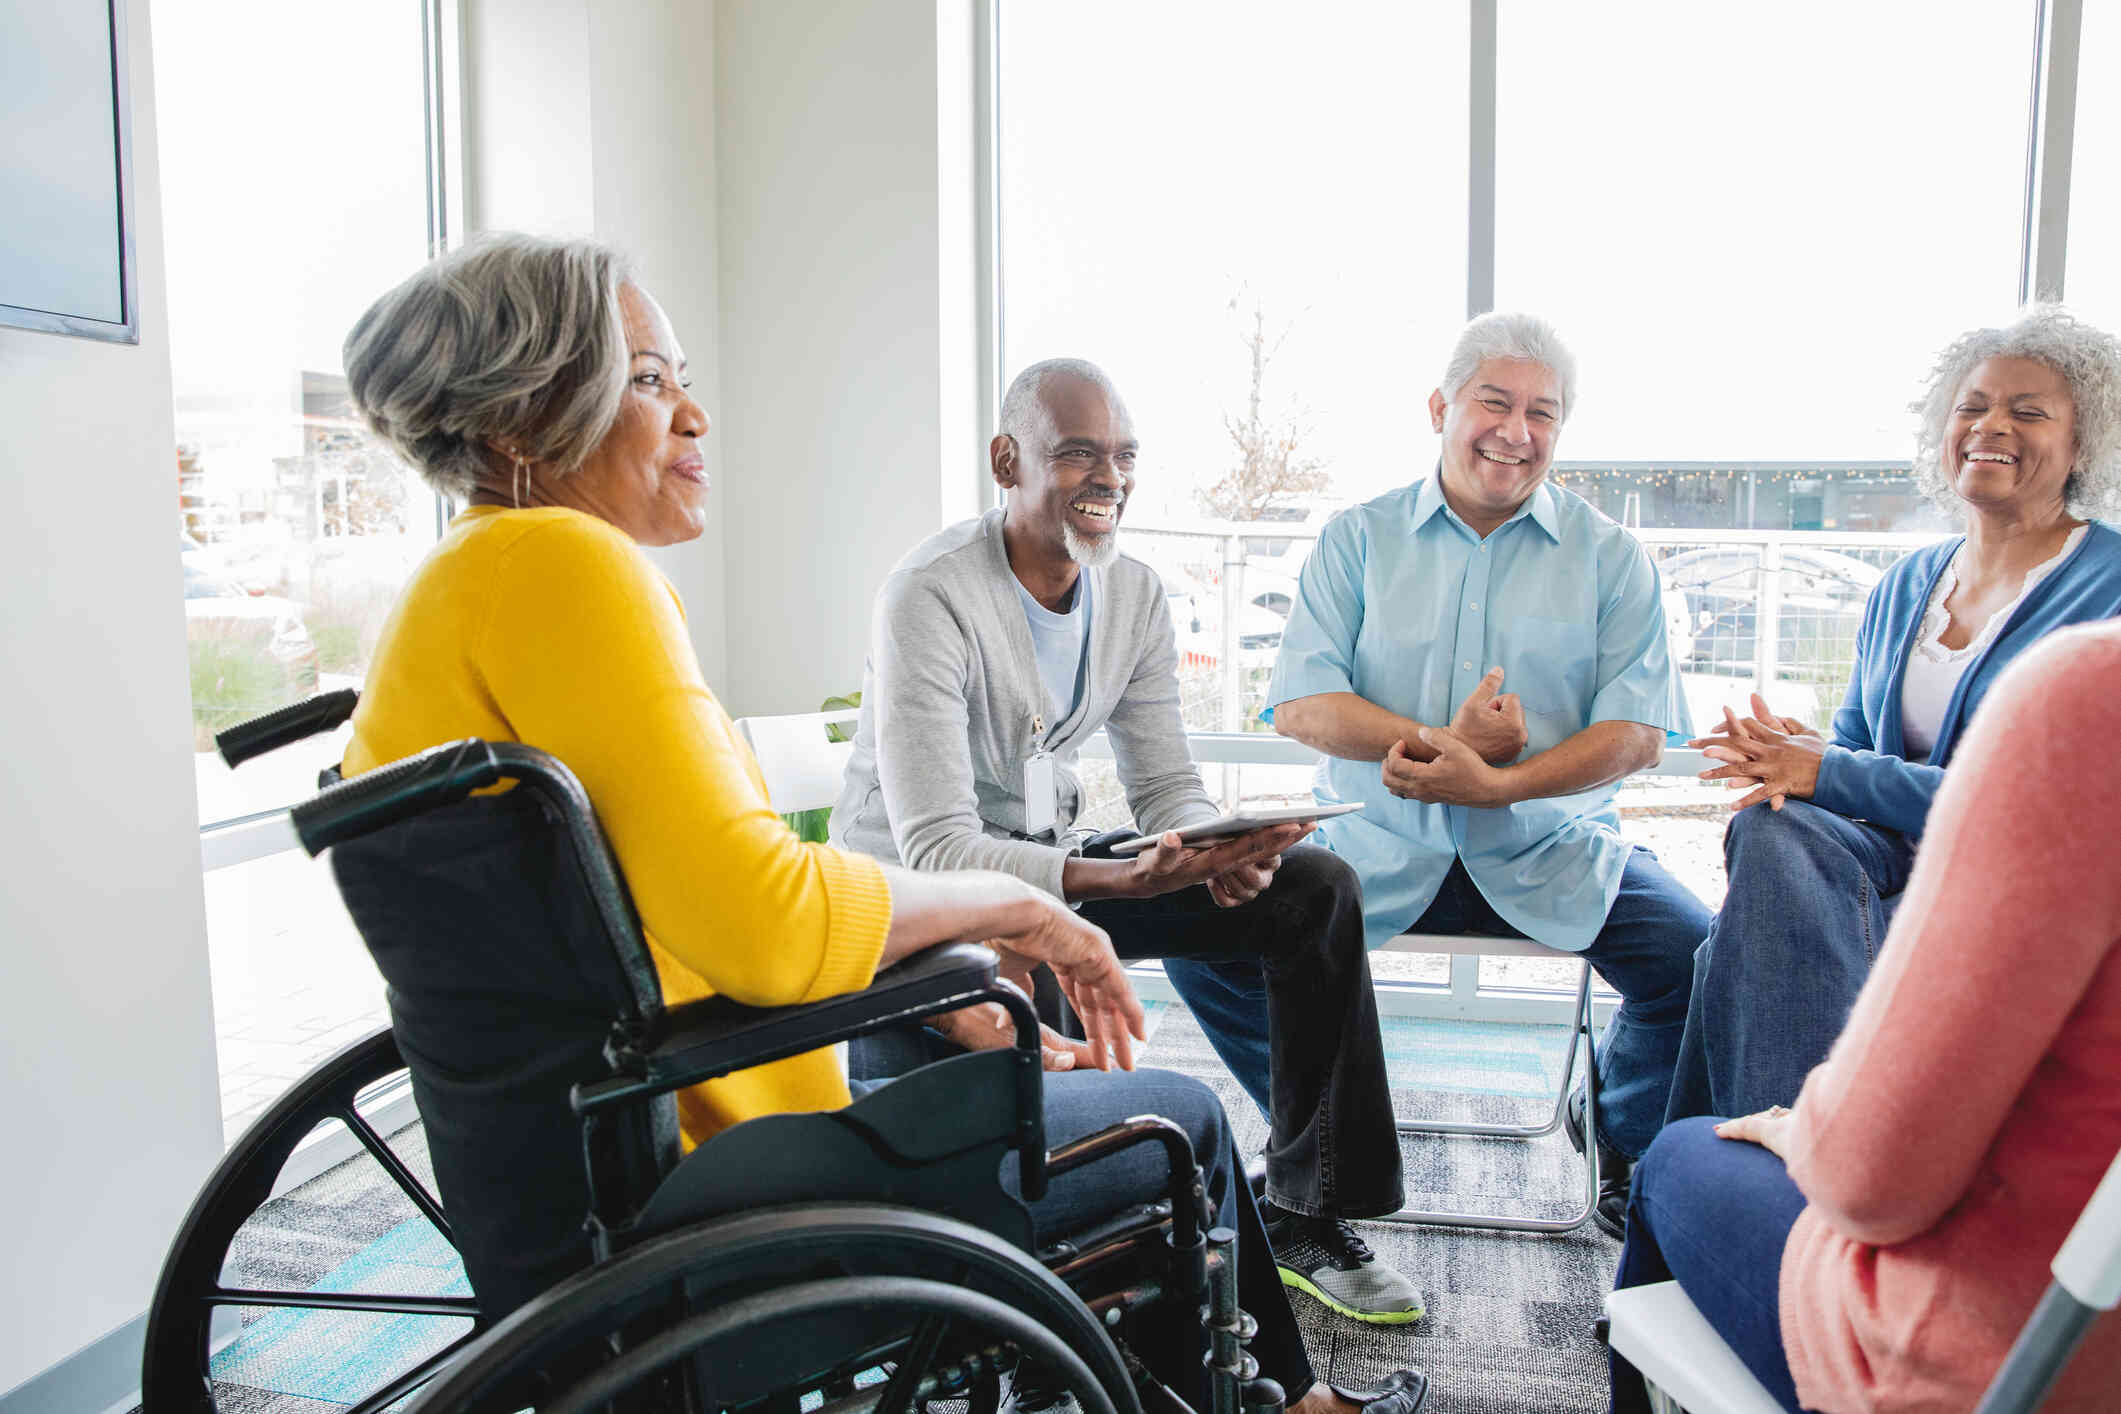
<point x="987" y="1027"/>
<point x="1777" y="763"/>
<point x="1246" y="882"/>
<point x="1090" y="977"/>
<point x="1235" y="869"/>
<point x="1493" y="726"/>
<point x="1770" y="1129"/>
<point x="1456" y="777"/>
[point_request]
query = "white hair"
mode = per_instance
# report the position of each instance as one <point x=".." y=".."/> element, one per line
<point x="513" y="340"/>
<point x="1523" y="336"/>
<point x="1024" y="416"/>
<point x="2089" y="360"/>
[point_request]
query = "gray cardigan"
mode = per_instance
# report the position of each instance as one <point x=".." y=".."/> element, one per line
<point x="952" y="707"/>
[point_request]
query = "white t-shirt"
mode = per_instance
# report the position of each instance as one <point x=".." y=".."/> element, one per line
<point x="1933" y="670"/>
<point x="1060" y="642"/>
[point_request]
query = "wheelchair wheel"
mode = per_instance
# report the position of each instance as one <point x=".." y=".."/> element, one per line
<point x="839" y="1308"/>
<point x="176" y="1364"/>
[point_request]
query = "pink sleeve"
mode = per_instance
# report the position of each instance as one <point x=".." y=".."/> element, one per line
<point x="2014" y="902"/>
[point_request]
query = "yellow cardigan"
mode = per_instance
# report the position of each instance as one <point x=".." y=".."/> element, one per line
<point x="551" y="628"/>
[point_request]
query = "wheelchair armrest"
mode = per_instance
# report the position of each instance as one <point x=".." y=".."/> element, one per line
<point x="704" y="1039"/>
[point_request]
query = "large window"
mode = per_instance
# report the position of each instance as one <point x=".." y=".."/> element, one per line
<point x="2093" y="279"/>
<point x="293" y="194"/>
<point x="1756" y="227"/>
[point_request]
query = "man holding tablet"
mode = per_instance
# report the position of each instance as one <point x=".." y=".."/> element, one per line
<point x="1412" y="615"/>
<point x="1001" y="644"/>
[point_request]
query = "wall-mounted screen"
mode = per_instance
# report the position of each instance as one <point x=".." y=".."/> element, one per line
<point x="66" y="246"/>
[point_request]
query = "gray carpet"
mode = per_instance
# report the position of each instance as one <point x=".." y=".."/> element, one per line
<point x="1509" y="1323"/>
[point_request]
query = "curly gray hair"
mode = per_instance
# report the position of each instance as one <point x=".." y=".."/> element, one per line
<point x="2089" y="360"/>
<point x="1504" y="335"/>
<point x="513" y="341"/>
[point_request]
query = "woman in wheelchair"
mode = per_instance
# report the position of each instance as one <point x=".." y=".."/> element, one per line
<point x="534" y="382"/>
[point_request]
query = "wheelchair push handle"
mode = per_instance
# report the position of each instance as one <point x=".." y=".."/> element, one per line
<point x="440" y="775"/>
<point x="287" y="724"/>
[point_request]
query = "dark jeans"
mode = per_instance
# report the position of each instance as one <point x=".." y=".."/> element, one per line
<point x="1811" y="895"/>
<point x="1646" y="953"/>
<point x="1172" y="1341"/>
<point x="1281" y="987"/>
<point x="1712" y="1214"/>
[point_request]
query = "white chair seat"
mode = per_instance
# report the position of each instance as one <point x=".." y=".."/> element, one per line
<point x="1661" y="1333"/>
<point x="1474" y="945"/>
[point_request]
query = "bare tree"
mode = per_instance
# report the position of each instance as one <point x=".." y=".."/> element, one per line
<point x="1267" y="472"/>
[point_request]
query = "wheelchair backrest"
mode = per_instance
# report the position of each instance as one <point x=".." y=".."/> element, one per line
<point x="505" y="984"/>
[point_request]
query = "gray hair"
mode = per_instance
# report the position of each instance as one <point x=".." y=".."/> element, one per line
<point x="513" y="340"/>
<point x="1524" y="336"/>
<point x="1024" y="411"/>
<point x="2089" y="360"/>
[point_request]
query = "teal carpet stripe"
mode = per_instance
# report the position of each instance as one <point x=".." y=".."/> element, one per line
<point x="342" y="1356"/>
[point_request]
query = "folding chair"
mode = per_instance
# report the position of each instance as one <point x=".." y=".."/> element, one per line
<point x="1690" y="1369"/>
<point x="801" y="766"/>
<point x="1582" y="1035"/>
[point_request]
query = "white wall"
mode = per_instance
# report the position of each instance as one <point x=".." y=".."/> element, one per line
<point x="109" y="1104"/>
<point x="598" y="119"/>
<point x="845" y="320"/>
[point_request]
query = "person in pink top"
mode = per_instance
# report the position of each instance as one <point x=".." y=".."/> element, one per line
<point x="1877" y="1246"/>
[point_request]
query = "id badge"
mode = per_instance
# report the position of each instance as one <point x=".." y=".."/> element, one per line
<point x="1039" y="793"/>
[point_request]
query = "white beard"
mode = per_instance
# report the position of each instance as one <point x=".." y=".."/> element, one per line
<point x="1091" y="555"/>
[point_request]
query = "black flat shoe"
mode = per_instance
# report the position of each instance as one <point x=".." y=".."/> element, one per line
<point x="1616" y="1173"/>
<point x="1403" y="1392"/>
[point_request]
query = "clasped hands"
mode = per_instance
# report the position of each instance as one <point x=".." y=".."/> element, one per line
<point x="1486" y="733"/>
<point x="1778" y="757"/>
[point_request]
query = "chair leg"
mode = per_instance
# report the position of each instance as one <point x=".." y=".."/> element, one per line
<point x="1581" y="1035"/>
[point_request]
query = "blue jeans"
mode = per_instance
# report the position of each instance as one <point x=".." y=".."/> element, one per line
<point x="1811" y="895"/>
<point x="1712" y="1214"/>
<point x="1646" y="953"/>
<point x="1171" y="1341"/>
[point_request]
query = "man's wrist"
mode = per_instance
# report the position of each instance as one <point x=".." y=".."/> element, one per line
<point x="1506" y="783"/>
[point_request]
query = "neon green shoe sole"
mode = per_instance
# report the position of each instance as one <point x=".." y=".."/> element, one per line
<point x="1290" y="1277"/>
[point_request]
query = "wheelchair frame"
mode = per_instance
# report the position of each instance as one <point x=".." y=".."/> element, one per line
<point x="650" y="1056"/>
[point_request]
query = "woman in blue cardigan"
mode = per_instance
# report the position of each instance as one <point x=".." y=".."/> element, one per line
<point x="2021" y="436"/>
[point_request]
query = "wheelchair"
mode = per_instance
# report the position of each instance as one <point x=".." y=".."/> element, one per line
<point x="868" y="1259"/>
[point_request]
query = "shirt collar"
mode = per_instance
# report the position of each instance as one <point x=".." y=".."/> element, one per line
<point x="1540" y="507"/>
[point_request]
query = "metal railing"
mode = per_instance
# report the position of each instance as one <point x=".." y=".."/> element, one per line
<point x="1775" y="610"/>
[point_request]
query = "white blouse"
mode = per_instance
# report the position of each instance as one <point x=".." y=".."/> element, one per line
<point x="1933" y="670"/>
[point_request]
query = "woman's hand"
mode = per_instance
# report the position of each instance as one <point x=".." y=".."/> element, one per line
<point x="987" y="1027"/>
<point x="1770" y="1129"/>
<point x="1762" y="751"/>
<point x="1090" y="977"/>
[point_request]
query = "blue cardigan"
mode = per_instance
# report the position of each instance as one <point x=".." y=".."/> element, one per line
<point x="1864" y="774"/>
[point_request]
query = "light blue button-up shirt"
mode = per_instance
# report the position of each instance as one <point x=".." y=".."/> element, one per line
<point x="1403" y="604"/>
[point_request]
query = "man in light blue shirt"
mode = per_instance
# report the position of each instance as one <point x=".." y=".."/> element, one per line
<point x="1490" y="811"/>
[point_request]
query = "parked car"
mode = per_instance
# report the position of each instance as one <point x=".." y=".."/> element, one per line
<point x="1822" y="597"/>
<point x="250" y="652"/>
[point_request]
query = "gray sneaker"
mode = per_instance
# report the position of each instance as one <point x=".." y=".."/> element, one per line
<point x="1324" y="1258"/>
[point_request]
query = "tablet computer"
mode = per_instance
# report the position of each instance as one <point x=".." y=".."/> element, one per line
<point x="1244" y="820"/>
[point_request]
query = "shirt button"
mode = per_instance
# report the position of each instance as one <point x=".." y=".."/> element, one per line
<point x="1467" y="666"/>
<point x="1476" y="606"/>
